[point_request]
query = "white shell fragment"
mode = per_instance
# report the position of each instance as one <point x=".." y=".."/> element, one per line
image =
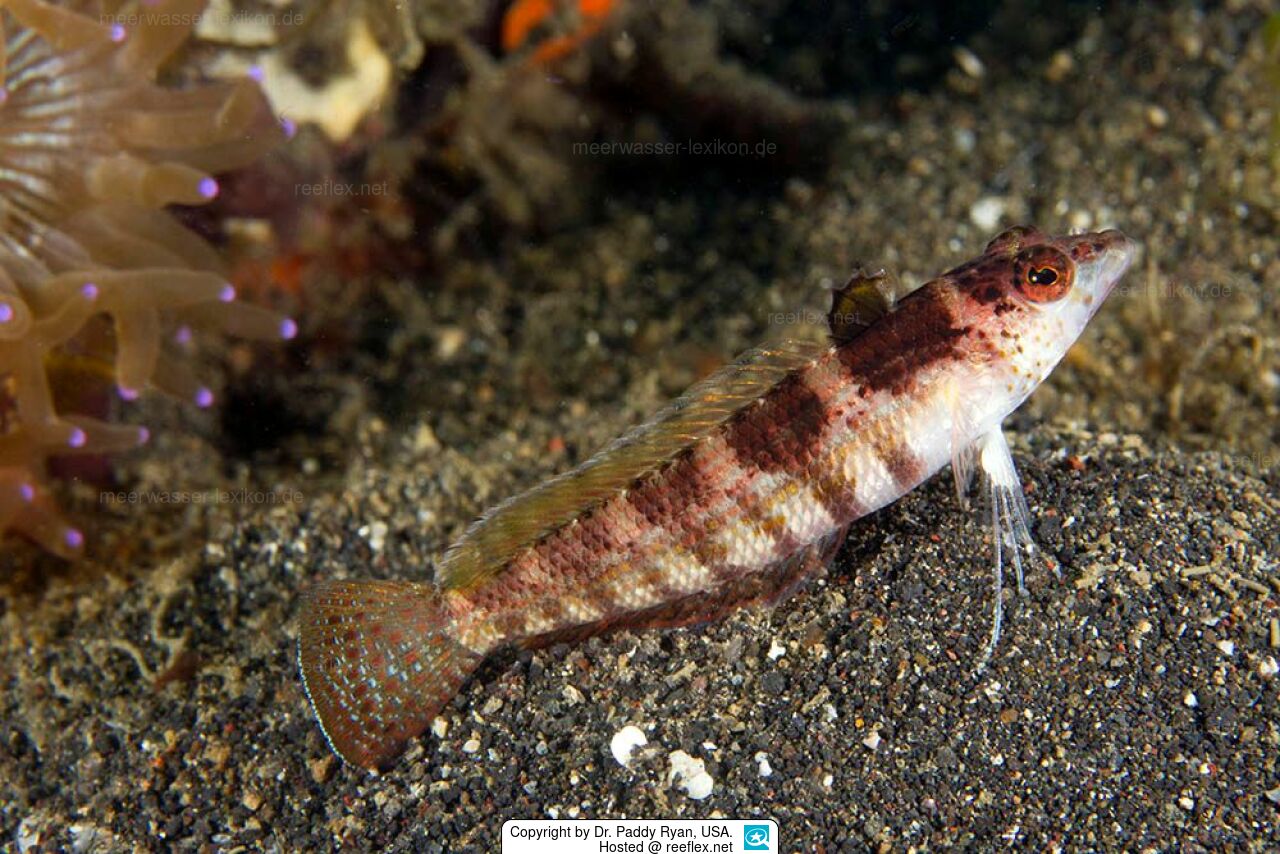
<point x="624" y="743"/>
<point x="689" y="774"/>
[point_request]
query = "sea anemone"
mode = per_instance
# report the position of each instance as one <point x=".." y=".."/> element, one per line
<point x="92" y="150"/>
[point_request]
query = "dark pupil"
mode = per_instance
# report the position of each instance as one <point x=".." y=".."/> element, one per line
<point x="1043" y="276"/>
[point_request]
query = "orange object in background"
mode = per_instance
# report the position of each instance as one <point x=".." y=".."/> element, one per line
<point x="525" y="16"/>
<point x="286" y="273"/>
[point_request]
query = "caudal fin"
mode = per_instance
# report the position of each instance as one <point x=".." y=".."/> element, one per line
<point x="378" y="660"/>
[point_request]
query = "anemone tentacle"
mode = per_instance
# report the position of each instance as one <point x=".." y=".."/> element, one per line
<point x="92" y="149"/>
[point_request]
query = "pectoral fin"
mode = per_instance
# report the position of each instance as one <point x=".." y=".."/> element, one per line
<point x="1009" y="518"/>
<point x="963" y="459"/>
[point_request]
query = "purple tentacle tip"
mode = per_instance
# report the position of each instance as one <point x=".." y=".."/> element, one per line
<point x="6" y="312"/>
<point x="28" y="492"/>
<point x="208" y="188"/>
<point x="288" y="329"/>
<point x="89" y="291"/>
<point x="73" y="538"/>
<point x="118" y="33"/>
<point x="144" y="435"/>
<point x="290" y="128"/>
<point x="4" y="94"/>
<point x="182" y="335"/>
<point x="77" y="438"/>
<point x="204" y="398"/>
<point x="255" y="73"/>
<point x="228" y="293"/>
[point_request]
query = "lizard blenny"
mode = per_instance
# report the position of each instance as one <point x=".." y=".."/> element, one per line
<point x="731" y="495"/>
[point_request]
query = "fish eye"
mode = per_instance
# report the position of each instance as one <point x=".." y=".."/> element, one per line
<point x="1043" y="274"/>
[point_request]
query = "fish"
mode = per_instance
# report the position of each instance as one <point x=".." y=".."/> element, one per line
<point x="733" y="494"/>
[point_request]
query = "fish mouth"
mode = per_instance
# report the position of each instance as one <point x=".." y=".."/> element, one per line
<point x="1110" y="254"/>
<point x="1118" y="254"/>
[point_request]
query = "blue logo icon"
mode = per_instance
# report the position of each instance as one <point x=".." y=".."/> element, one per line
<point x="755" y="837"/>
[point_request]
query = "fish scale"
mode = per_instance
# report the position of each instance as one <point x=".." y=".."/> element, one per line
<point x="732" y="495"/>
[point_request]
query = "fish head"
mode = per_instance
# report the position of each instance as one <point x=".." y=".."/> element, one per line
<point x="1030" y="295"/>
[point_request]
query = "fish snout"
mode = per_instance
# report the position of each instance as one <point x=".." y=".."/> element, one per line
<point x="1103" y="259"/>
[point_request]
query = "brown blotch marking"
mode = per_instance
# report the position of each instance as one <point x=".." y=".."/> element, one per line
<point x="739" y="588"/>
<point x="1085" y="251"/>
<point x="599" y="595"/>
<point x="987" y="295"/>
<point x="774" y="526"/>
<point x="614" y="531"/>
<point x="711" y="554"/>
<point x="571" y="555"/>
<point x="691" y="482"/>
<point x="786" y="545"/>
<point x="653" y="576"/>
<point x="904" y="467"/>
<point x="653" y="505"/>
<point x="684" y="482"/>
<point x="554" y="611"/>
<point x="982" y="280"/>
<point x="569" y="551"/>
<point x="889" y="355"/>
<point x="781" y="432"/>
<point x="773" y="523"/>
<point x="838" y="495"/>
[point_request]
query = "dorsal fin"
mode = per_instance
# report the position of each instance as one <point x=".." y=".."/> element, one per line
<point x="519" y="522"/>
<point x="860" y="302"/>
